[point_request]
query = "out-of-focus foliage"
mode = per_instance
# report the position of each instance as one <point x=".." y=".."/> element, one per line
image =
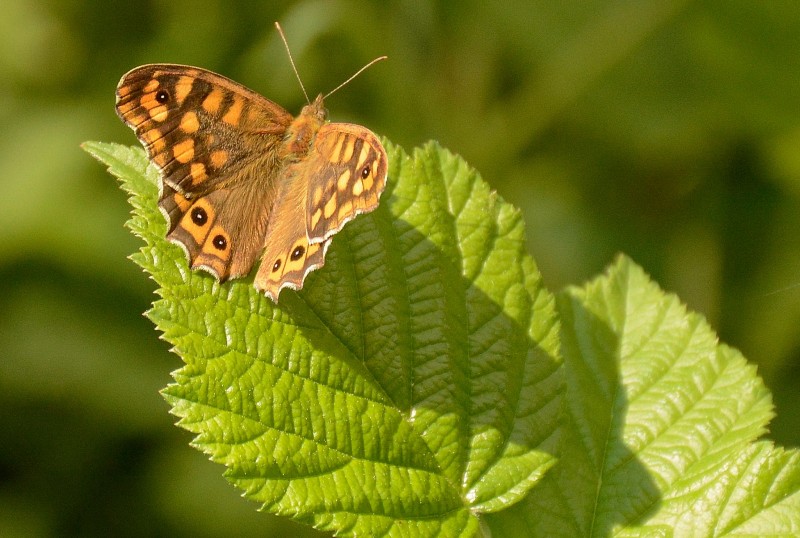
<point x="669" y="130"/>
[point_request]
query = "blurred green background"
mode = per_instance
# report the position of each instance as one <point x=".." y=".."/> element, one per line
<point x="665" y="129"/>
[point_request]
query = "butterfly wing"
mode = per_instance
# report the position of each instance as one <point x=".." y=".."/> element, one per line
<point x="215" y="143"/>
<point x="288" y="254"/>
<point x="342" y="176"/>
<point x="221" y="232"/>
<point x="349" y="167"/>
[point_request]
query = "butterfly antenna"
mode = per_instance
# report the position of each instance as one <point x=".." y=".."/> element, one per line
<point x="787" y="288"/>
<point x="291" y="60"/>
<point x="376" y="60"/>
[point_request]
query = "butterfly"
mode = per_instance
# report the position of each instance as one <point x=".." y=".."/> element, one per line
<point x="242" y="180"/>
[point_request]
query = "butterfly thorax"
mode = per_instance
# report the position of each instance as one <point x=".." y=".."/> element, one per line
<point x="300" y="134"/>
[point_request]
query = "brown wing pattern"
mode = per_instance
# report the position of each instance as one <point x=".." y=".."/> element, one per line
<point x="288" y="254"/>
<point x="214" y="142"/>
<point x="219" y="233"/>
<point x="346" y="170"/>
<point x="198" y="127"/>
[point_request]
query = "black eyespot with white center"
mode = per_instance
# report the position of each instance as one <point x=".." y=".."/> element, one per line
<point x="297" y="253"/>
<point x="365" y="172"/>
<point x="276" y="265"/>
<point x="199" y="216"/>
<point x="219" y="242"/>
<point x="162" y="96"/>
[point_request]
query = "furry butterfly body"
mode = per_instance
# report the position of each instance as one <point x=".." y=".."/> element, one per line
<point x="242" y="180"/>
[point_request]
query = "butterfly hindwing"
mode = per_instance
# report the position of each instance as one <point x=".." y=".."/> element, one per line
<point x="215" y="234"/>
<point x="288" y="254"/>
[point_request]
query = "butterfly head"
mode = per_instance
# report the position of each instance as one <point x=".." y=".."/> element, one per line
<point x="316" y="110"/>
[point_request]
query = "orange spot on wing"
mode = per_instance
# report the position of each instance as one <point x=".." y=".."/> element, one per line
<point x="184" y="151"/>
<point x="330" y="207"/>
<point x="334" y="156"/>
<point x="183" y="88"/>
<point x="148" y="101"/>
<point x="198" y="171"/>
<point x="190" y="123"/>
<point x="218" y="158"/>
<point x="150" y="136"/>
<point x="358" y="187"/>
<point x="315" y="218"/>
<point x="213" y="101"/>
<point x="124" y="91"/>
<point x="157" y="146"/>
<point x="182" y="203"/>
<point x="317" y="196"/>
<point x="368" y="183"/>
<point x="126" y="108"/>
<point x="348" y="150"/>
<point x="234" y="113"/>
<point x="344" y="179"/>
<point x="159" y="113"/>
<point x="362" y="157"/>
<point x="136" y="119"/>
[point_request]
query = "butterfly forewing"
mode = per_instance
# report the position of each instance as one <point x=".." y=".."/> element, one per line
<point x="347" y="174"/>
<point x="198" y="127"/>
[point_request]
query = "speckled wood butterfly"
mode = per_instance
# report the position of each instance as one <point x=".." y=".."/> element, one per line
<point x="241" y="177"/>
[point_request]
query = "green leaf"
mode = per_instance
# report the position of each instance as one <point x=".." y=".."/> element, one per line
<point x="411" y="386"/>
<point x="660" y="429"/>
